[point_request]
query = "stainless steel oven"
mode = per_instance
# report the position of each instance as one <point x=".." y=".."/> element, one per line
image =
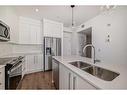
<point x="15" y="71"/>
<point x="4" y="31"/>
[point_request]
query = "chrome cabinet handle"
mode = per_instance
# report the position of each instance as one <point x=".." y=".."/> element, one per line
<point x="74" y="80"/>
<point x="69" y="80"/>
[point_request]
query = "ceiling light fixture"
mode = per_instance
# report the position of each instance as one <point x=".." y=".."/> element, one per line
<point x="36" y="10"/>
<point x="72" y="6"/>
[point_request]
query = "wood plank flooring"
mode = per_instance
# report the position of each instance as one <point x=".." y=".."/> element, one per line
<point x="37" y="81"/>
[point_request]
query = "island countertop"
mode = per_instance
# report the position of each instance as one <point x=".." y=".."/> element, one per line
<point x="120" y="82"/>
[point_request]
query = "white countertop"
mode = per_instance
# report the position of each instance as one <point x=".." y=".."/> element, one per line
<point x="120" y="82"/>
<point x="1" y="66"/>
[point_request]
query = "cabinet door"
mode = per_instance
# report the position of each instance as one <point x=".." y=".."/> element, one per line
<point x="64" y="78"/>
<point x="30" y="63"/>
<point x="39" y="62"/>
<point x="33" y="34"/>
<point x="52" y="28"/>
<point x="70" y="80"/>
<point x="30" y="31"/>
<point x="39" y="35"/>
<point x="80" y="84"/>
<point x="24" y="33"/>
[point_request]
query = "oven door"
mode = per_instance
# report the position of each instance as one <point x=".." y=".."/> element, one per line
<point x="15" y="75"/>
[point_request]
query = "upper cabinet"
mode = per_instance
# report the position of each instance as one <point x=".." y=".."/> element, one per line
<point x="52" y="28"/>
<point x="30" y="31"/>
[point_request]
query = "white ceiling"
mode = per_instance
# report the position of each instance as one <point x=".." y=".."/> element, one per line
<point x="60" y="13"/>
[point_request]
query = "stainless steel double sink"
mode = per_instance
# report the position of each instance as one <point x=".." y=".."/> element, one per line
<point x="98" y="72"/>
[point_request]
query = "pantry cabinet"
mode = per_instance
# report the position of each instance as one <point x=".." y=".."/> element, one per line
<point x="30" y="31"/>
<point x="70" y="80"/>
<point x="34" y="63"/>
<point x="52" y="28"/>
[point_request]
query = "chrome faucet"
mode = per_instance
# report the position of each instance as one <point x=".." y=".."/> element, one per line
<point x="93" y="51"/>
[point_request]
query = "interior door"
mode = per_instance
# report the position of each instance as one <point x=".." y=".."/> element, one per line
<point x="67" y="39"/>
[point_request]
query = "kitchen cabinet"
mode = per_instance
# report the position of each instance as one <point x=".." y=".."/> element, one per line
<point x="30" y="31"/>
<point x="70" y="80"/>
<point x="34" y="63"/>
<point x="55" y="69"/>
<point x="52" y="28"/>
<point x="2" y="78"/>
<point x="64" y="77"/>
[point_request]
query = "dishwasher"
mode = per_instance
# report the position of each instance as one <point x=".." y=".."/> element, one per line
<point x="55" y="68"/>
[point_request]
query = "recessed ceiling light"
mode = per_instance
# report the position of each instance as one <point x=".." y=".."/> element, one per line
<point x="36" y="10"/>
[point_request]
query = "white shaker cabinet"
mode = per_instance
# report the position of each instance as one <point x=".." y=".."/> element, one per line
<point x="52" y="28"/>
<point x="34" y="63"/>
<point x="70" y="80"/>
<point x="30" y="31"/>
<point x="2" y="78"/>
<point x="64" y="78"/>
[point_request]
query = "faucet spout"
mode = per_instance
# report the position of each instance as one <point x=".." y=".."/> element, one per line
<point x="90" y="45"/>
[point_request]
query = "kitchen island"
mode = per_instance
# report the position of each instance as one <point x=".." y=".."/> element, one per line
<point x="92" y="82"/>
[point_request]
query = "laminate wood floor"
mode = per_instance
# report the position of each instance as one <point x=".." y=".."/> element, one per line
<point x="37" y="81"/>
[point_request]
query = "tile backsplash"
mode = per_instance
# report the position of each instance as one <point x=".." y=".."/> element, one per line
<point x="5" y="48"/>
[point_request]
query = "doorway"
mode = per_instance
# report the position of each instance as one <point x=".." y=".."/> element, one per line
<point x="85" y="37"/>
<point x="67" y="40"/>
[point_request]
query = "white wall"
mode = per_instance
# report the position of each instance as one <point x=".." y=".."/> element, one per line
<point x="113" y="23"/>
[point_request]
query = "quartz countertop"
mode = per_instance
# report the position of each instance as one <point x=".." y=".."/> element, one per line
<point x="1" y="66"/>
<point x="120" y="82"/>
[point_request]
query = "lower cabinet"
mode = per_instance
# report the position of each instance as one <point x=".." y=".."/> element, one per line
<point x="2" y="78"/>
<point x="70" y="80"/>
<point x="33" y="63"/>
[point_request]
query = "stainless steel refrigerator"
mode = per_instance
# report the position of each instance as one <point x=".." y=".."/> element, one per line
<point x="52" y="47"/>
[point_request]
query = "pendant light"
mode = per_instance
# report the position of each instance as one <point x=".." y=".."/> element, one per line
<point x="72" y="23"/>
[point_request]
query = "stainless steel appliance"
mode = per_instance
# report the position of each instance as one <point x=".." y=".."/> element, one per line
<point x="4" y="32"/>
<point x="52" y="47"/>
<point x="14" y="71"/>
<point x="55" y="73"/>
<point x="13" y="67"/>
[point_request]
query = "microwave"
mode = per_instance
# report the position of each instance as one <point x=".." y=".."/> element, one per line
<point x="4" y="32"/>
